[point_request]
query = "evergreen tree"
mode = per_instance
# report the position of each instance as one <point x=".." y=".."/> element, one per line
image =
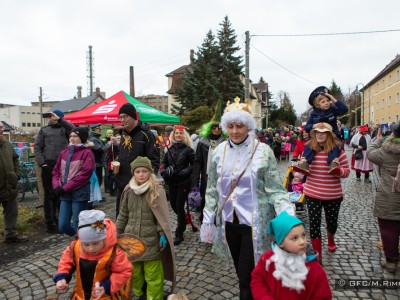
<point x="230" y="84"/>
<point x="214" y="75"/>
<point x="285" y="114"/>
<point x="199" y="84"/>
<point x="335" y="90"/>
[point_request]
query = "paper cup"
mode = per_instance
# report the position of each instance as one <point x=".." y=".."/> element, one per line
<point x="115" y="166"/>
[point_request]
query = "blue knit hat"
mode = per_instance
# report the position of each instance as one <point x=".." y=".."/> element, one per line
<point x="59" y="113"/>
<point x="281" y="225"/>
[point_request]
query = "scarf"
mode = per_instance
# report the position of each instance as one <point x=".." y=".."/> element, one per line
<point x="139" y="189"/>
<point x="290" y="268"/>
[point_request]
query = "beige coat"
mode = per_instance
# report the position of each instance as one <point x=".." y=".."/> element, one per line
<point x="387" y="156"/>
<point x="127" y="222"/>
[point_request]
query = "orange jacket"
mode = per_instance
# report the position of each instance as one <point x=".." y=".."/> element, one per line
<point x="112" y="278"/>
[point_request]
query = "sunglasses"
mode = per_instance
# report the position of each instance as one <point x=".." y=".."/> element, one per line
<point x="215" y="126"/>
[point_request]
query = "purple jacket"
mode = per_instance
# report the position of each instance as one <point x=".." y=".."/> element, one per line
<point x="81" y="168"/>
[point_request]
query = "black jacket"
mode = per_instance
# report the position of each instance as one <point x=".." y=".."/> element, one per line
<point x="142" y="143"/>
<point x="98" y="148"/>
<point x="181" y="158"/>
<point x="201" y="158"/>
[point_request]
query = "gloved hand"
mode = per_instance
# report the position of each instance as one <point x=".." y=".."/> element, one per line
<point x="169" y="171"/>
<point x="59" y="191"/>
<point x="163" y="242"/>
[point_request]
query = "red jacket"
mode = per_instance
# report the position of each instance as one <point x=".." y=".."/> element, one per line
<point x="264" y="286"/>
<point x="299" y="148"/>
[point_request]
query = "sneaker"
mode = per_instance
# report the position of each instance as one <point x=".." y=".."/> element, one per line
<point x="302" y="168"/>
<point x="17" y="239"/>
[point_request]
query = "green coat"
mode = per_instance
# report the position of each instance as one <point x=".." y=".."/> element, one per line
<point x="9" y="171"/>
<point x="137" y="217"/>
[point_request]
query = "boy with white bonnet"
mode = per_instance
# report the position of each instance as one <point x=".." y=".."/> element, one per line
<point x="290" y="269"/>
<point x="102" y="269"/>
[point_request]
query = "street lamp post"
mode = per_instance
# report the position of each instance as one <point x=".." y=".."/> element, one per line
<point x="362" y="102"/>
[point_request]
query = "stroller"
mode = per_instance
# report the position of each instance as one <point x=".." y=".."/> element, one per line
<point x="293" y="183"/>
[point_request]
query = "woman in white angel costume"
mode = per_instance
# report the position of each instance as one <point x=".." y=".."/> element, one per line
<point x="244" y="192"/>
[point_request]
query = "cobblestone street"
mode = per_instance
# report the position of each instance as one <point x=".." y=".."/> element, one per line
<point x="201" y="275"/>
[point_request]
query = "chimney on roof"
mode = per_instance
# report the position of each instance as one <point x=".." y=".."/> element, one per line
<point x="97" y="91"/>
<point x="79" y="94"/>
<point x="131" y="82"/>
<point x="191" y="55"/>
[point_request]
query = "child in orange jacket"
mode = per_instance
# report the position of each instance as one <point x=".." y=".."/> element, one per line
<point x="102" y="270"/>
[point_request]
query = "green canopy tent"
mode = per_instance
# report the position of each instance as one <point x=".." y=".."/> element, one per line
<point x="106" y="112"/>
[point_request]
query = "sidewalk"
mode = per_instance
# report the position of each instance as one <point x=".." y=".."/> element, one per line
<point x="201" y="275"/>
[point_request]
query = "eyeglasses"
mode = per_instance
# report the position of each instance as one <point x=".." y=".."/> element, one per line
<point x="215" y="126"/>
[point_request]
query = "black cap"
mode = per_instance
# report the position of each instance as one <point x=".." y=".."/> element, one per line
<point x="128" y="109"/>
<point x="82" y="132"/>
<point x="318" y="91"/>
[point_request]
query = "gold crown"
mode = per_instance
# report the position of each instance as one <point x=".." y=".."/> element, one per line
<point x="237" y="105"/>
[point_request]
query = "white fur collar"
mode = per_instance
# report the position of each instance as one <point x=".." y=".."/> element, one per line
<point x="290" y="268"/>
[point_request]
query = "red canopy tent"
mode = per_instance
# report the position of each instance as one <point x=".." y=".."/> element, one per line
<point x="106" y="112"/>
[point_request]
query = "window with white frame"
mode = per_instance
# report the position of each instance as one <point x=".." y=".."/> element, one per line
<point x="383" y="103"/>
<point x="398" y="75"/>
<point x="383" y="84"/>
<point x="389" y="100"/>
<point x="377" y="105"/>
<point x="397" y="118"/>
<point x="390" y="80"/>
<point x="397" y="97"/>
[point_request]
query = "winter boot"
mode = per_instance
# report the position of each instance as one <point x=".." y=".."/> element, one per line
<point x="390" y="265"/>
<point x="178" y="239"/>
<point x="317" y="246"/>
<point x="331" y="242"/>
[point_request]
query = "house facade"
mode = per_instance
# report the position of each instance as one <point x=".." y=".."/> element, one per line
<point x="28" y="119"/>
<point x="24" y="119"/>
<point x="381" y="96"/>
<point x="156" y="101"/>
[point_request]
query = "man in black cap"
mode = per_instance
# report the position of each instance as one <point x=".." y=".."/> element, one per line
<point x="50" y="141"/>
<point x="136" y="140"/>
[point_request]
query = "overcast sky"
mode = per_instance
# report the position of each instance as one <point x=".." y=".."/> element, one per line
<point x="45" y="43"/>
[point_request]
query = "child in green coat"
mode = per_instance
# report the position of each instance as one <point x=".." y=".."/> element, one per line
<point x="144" y="213"/>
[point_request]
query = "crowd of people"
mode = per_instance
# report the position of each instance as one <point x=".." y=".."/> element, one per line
<point x="245" y="211"/>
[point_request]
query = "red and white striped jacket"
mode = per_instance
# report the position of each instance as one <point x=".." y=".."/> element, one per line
<point x="321" y="185"/>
